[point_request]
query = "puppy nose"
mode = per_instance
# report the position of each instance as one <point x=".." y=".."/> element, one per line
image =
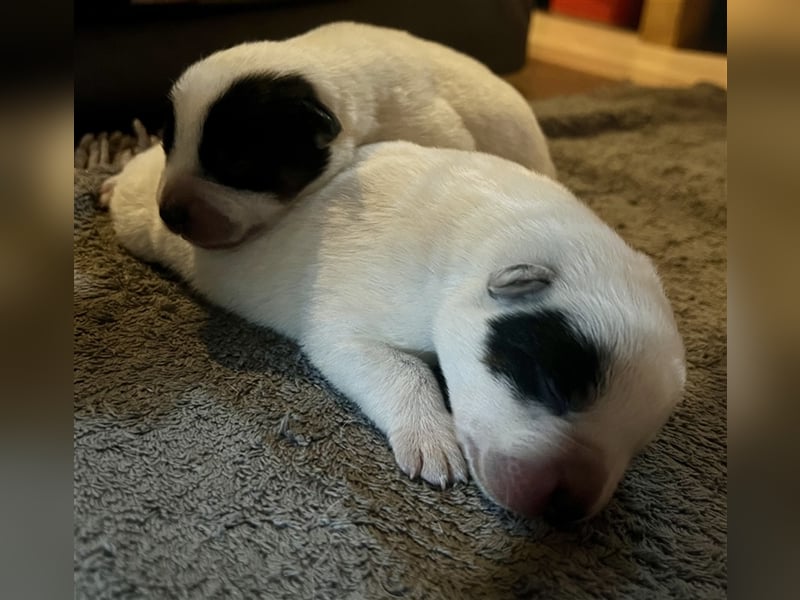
<point x="566" y="507"/>
<point x="175" y="216"/>
<point x="179" y="193"/>
<point x="564" y="488"/>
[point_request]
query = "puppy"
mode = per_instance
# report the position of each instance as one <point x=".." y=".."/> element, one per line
<point x="556" y="341"/>
<point x="256" y="125"/>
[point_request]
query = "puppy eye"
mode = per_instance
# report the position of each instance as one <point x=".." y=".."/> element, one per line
<point x="545" y="360"/>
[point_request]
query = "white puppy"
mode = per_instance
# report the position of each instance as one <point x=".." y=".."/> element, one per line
<point x="557" y="343"/>
<point x="256" y="125"/>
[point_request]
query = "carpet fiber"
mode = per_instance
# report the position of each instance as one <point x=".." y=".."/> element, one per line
<point x="212" y="461"/>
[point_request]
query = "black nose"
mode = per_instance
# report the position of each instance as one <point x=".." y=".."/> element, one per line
<point x="565" y="509"/>
<point x="175" y="216"/>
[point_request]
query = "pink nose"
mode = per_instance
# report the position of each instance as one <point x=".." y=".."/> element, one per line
<point x="187" y="208"/>
<point x="565" y="488"/>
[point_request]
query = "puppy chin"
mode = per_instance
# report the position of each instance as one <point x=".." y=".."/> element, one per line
<point x="214" y="217"/>
<point x="217" y="234"/>
<point x="221" y="242"/>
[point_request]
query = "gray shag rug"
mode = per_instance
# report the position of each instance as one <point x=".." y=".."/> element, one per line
<point x="212" y="461"/>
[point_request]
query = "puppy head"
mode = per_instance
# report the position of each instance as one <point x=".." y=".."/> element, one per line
<point x="241" y="141"/>
<point x="559" y="373"/>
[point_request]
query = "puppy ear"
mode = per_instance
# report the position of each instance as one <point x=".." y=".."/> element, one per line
<point x="519" y="281"/>
<point x="326" y="124"/>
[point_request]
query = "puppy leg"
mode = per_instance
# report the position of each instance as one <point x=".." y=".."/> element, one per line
<point x="435" y="125"/>
<point x="400" y="394"/>
<point x="131" y="197"/>
<point x="446" y="128"/>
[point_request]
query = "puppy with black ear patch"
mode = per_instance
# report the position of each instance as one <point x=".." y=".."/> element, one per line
<point x="557" y="344"/>
<point x="256" y="125"/>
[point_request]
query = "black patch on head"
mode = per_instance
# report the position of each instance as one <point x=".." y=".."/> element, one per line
<point x="168" y="134"/>
<point x="267" y="133"/>
<point x="546" y="360"/>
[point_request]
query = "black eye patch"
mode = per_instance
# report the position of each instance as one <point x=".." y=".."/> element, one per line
<point x="545" y="359"/>
<point x="267" y="133"/>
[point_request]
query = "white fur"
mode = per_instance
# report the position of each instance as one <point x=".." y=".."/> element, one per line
<point x="382" y="85"/>
<point x="388" y="265"/>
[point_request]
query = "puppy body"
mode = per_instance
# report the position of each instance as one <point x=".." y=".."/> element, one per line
<point x="272" y="120"/>
<point x="557" y="343"/>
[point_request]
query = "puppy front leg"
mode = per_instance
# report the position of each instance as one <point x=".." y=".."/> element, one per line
<point x="400" y="394"/>
<point x="131" y="198"/>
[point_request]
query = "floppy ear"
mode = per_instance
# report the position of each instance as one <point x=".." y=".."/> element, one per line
<point x="326" y="124"/>
<point x="519" y="281"/>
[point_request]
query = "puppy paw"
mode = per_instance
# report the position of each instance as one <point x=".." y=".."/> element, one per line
<point x="429" y="450"/>
<point x="107" y="192"/>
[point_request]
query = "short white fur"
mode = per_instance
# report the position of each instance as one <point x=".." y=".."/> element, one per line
<point x="382" y="84"/>
<point x="389" y="265"/>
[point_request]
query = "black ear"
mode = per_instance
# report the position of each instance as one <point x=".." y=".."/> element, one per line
<point x="326" y="124"/>
<point x="519" y="281"/>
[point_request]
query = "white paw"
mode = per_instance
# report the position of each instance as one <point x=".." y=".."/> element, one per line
<point x="428" y="449"/>
<point x="107" y="192"/>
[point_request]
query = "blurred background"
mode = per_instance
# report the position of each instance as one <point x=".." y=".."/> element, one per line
<point x="128" y="52"/>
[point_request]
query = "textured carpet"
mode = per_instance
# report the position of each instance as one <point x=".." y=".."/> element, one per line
<point x="211" y="461"/>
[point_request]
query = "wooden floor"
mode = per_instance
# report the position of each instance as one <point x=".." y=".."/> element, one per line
<point x="570" y="56"/>
<point x="538" y="79"/>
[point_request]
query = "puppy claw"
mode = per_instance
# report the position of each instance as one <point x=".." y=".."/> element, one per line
<point x="430" y="452"/>
<point x="410" y="463"/>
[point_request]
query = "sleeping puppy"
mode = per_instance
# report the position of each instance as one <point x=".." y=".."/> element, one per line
<point x="256" y="125"/>
<point x="558" y="346"/>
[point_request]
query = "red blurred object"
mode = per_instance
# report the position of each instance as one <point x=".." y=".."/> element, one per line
<point x="622" y="13"/>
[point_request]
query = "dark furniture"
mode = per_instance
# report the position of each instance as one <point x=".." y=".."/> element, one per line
<point x="127" y="54"/>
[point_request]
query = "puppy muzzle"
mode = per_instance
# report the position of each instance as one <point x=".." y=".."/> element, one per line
<point x="564" y="486"/>
<point x="188" y="210"/>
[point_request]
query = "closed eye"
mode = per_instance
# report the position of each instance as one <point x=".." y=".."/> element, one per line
<point x="545" y="360"/>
